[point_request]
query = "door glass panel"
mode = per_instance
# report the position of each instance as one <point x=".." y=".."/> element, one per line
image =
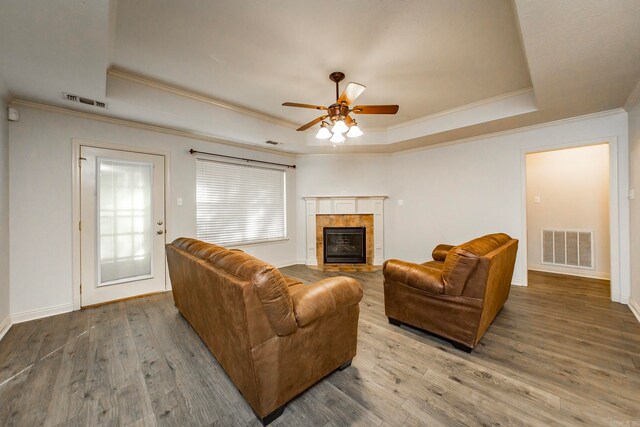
<point x="124" y="221"/>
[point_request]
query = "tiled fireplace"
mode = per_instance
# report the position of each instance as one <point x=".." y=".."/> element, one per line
<point x="354" y="212"/>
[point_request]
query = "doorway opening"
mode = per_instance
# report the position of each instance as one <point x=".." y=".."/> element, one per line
<point x="568" y="217"/>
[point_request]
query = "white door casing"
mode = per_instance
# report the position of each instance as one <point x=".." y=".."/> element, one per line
<point x="122" y="219"/>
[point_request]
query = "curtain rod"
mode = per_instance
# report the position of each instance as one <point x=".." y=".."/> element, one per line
<point x="192" y="151"/>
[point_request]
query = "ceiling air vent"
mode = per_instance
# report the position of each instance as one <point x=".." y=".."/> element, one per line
<point x="85" y="101"/>
<point x="273" y="142"/>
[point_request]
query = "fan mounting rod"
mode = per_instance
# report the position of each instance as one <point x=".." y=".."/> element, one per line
<point x="336" y="77"/>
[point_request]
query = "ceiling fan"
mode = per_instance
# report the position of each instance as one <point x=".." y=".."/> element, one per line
<point x="338" y="112"/>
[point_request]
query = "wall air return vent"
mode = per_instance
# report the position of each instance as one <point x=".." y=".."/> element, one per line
<point x="570" y="248"/>
<point x="86" y="101"/>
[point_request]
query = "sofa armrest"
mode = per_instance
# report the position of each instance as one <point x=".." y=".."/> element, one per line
<point x="441" y="251"/>
<point x="323" y="298"/>
<point x="415" y="275"/>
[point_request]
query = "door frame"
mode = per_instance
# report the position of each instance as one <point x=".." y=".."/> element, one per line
<point x="75" y="231"/>
<point x="619" y="284"/>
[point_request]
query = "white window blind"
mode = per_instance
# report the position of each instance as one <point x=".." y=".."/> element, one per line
<point x="239" y="203"/>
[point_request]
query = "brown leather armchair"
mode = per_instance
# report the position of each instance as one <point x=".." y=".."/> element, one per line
<point x="274" y="336"/>
<point x="458" y="294"/>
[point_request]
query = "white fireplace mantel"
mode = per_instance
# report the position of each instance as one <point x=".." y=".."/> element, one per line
<point x="345" y="205"/>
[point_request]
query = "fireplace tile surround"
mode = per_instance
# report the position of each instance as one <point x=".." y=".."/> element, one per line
<point x="344" y="211"/>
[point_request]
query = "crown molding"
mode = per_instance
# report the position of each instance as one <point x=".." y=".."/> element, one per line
<point x="461" y="108"/>
<point x="136" y="78"/>
<point x="515" y="130"/>
<point x="144" y="126"/>
<point x="249" y="146"/>
<point x="634" y="97"/>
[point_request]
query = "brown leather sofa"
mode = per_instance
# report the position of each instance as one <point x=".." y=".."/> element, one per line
<point x="273" y="335"/>
<point x="458" y="294"/>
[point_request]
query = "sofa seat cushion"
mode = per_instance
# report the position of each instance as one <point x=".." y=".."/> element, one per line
<point x="291" y="281"/>
<point x="434" y="264"/>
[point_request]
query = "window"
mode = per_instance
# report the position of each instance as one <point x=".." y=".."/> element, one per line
<point x="239" y="203"/>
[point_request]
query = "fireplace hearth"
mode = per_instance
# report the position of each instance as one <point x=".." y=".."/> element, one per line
<point x="345" y="245"/>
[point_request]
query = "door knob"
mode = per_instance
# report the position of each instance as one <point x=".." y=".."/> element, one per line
<point x="160" y="231"/>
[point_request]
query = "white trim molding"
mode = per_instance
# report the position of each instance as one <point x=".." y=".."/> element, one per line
<point x="136" y="78"/>
<point x="150" y="127"/>
<point x="618" y="221"/>
<point x="39" y="313"/>
<point x="76" y="145"/>
<point x="635" y="309"/>
<point x="633" y="98"/>
<point x="570" y="271"/>
<point x="5" y="325"/>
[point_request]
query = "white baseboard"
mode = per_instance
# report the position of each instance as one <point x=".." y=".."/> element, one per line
<point x="39" y="313"/>
<point x="5" y="325"/>
<point x="635" y="309"/>
<point x="285" y="263"/>
<point x="570" y="271"/>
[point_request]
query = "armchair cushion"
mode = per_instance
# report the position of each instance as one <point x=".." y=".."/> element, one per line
<point x="324" y="298"/>
<point x="415" y="275"/>
<point x="441" y="251"/>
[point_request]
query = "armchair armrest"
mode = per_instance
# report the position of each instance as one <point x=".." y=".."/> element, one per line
<point x="415" y="275"/>
<point x="441" y="251"/>
<point x="324" y="298"/>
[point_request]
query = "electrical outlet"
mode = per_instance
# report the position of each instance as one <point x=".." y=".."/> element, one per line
<point x="400" y="202"/>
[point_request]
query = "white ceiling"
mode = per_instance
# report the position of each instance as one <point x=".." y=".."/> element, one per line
<point x="426" y="55"/>
<point x="457" y="68"/>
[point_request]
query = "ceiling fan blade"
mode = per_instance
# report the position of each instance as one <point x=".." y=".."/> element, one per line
<point x="375" y="109"/>
<point x="311" y="123"/>
<point x="351" y="92"/>
<point x="295" y="104"/>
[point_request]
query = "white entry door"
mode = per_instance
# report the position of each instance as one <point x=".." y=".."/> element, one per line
<point x="122" y="224"/>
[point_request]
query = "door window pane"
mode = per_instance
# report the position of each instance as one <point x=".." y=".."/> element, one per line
<point x="124" y="220"/>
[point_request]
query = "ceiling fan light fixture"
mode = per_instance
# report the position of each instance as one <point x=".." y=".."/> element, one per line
<point x="339" y="127"/>
<point x="354" y="131"/>
<point x="337" y="138"/>
<point x="323" y="132"/>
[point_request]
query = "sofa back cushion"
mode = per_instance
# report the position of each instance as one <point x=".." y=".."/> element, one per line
<point x="463" y="260"/>
<point x="267" y="281"/>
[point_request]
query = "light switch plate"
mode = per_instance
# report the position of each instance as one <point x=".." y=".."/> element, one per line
<point x="536" y="199"/>
<point x="179" y="201"/>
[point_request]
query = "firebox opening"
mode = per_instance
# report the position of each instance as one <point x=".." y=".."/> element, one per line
<point x="345" y="245"/>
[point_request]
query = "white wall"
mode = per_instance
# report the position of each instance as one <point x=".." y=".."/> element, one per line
<point x="572" y="191"/>
<point x="338" y="175"/>
<point x="41" y="201"/>
<point x="4" y="212"/>
<point x="634" y="149"/>
<point x="457" y="192"/>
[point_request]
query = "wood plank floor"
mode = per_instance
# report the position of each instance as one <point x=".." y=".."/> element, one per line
<point x="560" y="353"/>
